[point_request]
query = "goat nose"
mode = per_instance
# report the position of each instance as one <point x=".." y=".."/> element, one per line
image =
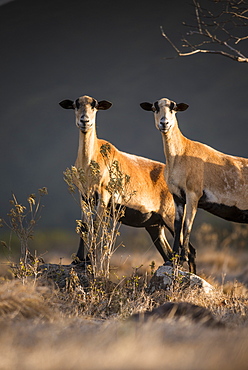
<point x="84" y="120"/>
<point x="162" y="121"/>
<point x="163" y="124"/>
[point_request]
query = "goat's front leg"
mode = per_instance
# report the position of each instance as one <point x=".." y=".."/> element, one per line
<point x="191" y="209"/>
<point x="191" y="259"/>
<point x="178" y="222"/>
<point x="81" y="249"/>
<point x="82" y="255"/>
<point x="86" y="225"/>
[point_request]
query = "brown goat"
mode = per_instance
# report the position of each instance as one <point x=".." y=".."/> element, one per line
<point x="198" y="176"/>
<point x="151" y="206"/>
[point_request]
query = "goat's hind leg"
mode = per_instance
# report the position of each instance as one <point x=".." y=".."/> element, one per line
<point x="157" y="234"/>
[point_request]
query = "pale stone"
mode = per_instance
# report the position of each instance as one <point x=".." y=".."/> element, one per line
<point x="165" y="275"/>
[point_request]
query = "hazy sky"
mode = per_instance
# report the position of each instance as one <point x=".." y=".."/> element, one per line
<point x="57" y="49"/>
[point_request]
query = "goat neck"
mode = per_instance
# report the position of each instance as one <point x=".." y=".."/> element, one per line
<point x="87" y="147"/>
<point x="174" y="144"/>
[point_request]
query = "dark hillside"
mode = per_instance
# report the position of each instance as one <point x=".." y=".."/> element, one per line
<point x="56" y="49"/>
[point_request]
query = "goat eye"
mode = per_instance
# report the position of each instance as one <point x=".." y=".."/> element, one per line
<point x="172" y="105"/>
<point x="156" y="106"/>
<point x="93" y="104"/>
<point x="77" y="104"/>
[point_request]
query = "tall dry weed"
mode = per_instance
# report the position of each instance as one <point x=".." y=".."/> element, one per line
<point x="100" y="226"/>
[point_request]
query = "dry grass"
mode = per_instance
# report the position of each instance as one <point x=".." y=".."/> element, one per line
<point x="43" y="327"/>
<point x="57" y="321"/>
<point x="76" y="343"/>
<point x="58" y="317"/>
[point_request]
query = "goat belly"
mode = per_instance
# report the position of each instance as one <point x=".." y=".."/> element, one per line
<point x="136" y="218"/>
<point x="229" y="213"/>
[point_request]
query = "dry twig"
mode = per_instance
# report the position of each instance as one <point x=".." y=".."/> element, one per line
<point x="216" y="27"/>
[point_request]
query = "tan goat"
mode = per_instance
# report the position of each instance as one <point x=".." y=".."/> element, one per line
<point x="152" y="205"/>
<point x="198" y="175"/>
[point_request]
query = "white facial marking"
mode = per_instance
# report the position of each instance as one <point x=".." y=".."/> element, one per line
<point x="164" y="117"/>
<point x="85" y="113"/>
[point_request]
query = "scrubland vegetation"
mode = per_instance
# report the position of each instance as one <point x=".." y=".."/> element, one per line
<point x="55" y="315"/>
<point x="74" y="327"/>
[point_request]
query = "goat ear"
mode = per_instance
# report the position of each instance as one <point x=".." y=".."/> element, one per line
<point x="67" y="104"/>
<point x="147" y="106"/>
<point x="181" y="107"/>
<point x="103" y="105"/>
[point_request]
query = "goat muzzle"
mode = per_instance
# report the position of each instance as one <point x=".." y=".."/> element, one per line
<point x="84" y="125"/>
<point x="164" y="125"/>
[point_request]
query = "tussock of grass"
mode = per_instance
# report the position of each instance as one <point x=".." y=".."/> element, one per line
<point x="18" y="301"/>
<point x="66" y="290"/>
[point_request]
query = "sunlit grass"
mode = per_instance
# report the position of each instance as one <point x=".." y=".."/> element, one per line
<point x="60" y="317"/>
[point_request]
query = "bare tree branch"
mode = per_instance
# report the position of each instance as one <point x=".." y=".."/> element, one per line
<point x="197" y="6"/>
<point x="241" y="39"/>
<point x="215" y="27"/>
